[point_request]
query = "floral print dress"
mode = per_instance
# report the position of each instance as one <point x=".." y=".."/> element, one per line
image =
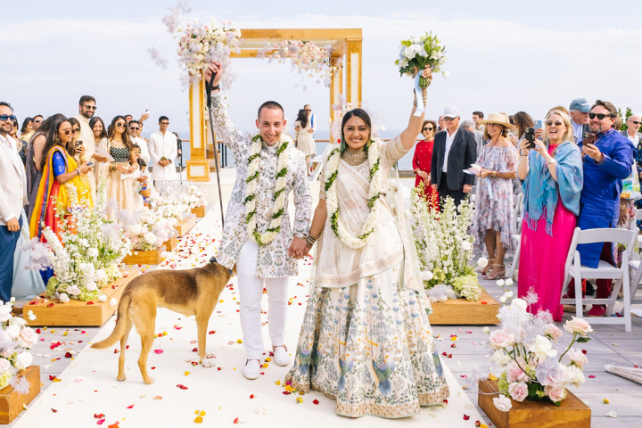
<point x="368" y="345"/>
<point x="494" y="196"/>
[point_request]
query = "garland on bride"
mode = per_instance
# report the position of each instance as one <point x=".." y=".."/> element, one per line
<point x="444" y="247"/>
<point x="374" y="194"/>
<point x="251" y="186"/>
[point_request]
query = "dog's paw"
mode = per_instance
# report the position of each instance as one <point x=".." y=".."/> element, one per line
<point x="209" y="355"/>
<point x="208" y="363"/>
<point x="149" y="380"/>
<point x="121" y="378"/>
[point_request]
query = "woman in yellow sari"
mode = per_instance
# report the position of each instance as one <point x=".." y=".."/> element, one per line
<point x="60" y="171"/>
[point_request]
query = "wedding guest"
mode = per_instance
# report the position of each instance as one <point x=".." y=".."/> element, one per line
<point x="421" y="162"/>
<point x="26" y="130"/>
<point x="13" y="198"/>
<point x="632" y="128"/>
<point x="303" y="136"/>
<point x="478" y="116"/>
<point x="342" y="352"/>
<point x="135" y="128"/>
<point x="454" y="151"/>
<point x="579" y="110"/>
<point x="37" y="122"/>
<point x="118" y="172"/>
<point x="311" y="118"/>
<point x="469" y="125"/>
<point x="60" y="171"/>
<point x="34" y="159"/>
<point x="553" y="178"/>
<point x="21" y="144"/>
<point x="128" y="118"/>
<point x="87" y="109"/>
<point x="522" y="121"/>
<point x="441" y="124"/>
<point x="493" y="218"/>
<point x="139" y="177"/>
<point x="99" y="130"/>
<point x="607" y="161"/>
<point x="162" y="150"/>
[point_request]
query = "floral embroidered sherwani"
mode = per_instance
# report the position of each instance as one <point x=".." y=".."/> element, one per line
<point x="273" y="259"/>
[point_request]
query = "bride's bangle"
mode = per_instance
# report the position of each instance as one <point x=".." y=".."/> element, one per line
<point x="310" y="241"/>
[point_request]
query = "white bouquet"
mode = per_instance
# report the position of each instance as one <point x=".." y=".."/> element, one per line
<point x="16" y="342"/>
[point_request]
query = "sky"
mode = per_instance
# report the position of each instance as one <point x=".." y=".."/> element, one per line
<point x="504" y="56"/>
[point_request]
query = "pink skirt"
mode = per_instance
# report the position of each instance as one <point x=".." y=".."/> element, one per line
<point x="542" y="260"/>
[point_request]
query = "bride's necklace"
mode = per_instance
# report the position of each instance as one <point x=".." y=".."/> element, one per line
<point x="354" y="157"/>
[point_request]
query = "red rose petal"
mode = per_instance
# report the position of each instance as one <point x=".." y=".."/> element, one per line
<point x="90" y="303"/>
<point x="195" y="350"/>
<point x="52" y="377"/>
<point x="315" y="401"/>
<point x="68" y="355"/>
<point x="584" y="351"/>
<point x="100" y="422"/>
<point x="99" y="415"/>
<point x="252" y="396"/>
<point x="591" y="376"/>
<point x="466" y="417"/>
<point x="130" y="407"/>
<point x="50" y="305"/>
<point x="236" y="421"/>
<point x="54" y="410"/>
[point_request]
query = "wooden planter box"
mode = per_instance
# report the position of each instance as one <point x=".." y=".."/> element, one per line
<point x="151" y="257"/>
<point x="199" y="211"/>
<point x="75" y="313"/>
<point x="11" y="403"/>
<point x="573" y="413"/>
<point x="184" y="226"/>
<point x="462" y="312"/>
<point x="170" y="244"/>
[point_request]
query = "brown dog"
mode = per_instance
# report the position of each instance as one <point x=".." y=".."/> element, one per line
<point x="188" y="292"/>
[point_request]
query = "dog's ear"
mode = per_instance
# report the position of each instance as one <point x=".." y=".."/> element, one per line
<point x="213" y="259"/>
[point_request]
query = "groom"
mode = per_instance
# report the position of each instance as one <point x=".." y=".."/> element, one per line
<point x="257" y="236"/>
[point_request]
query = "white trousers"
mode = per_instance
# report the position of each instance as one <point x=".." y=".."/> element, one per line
<point x="251" y="293"/>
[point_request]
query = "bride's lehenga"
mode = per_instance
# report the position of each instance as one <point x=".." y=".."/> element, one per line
<point x="365" y="339"/>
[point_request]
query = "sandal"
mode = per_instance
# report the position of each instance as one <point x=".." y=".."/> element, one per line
<point x="486" y="268"/>
<point x="498" y="272"/>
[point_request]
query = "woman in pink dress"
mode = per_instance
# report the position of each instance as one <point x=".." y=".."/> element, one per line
<point x="422" y="160"/>
<point x="553" y="181"/>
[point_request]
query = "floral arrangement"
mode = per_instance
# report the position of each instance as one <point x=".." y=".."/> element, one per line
<point x="86" y="253"/>
<point x="417" y="53"/>
<point x="251" y="183"/>
<point x="374" y="195"/>
<point x="170" y="205"/>
<point x="16" y="341"/>
<point x="306" y="57"/>
<point x="524" y="348"/>
<point x="152" y="230"/>
<point x="194" y="197"/>
<point x="200" y="44"/>
<point x="444" y="246"/>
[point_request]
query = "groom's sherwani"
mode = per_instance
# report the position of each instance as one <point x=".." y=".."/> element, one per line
<point x="273" y="259"/>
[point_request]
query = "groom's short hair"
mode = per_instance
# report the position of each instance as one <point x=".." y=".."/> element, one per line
<point x="272" y="105"/>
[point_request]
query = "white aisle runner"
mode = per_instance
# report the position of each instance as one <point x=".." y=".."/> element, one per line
<point x="89" y="388"/>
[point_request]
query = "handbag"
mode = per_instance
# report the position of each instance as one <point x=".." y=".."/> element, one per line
<point x="631" y="185"/>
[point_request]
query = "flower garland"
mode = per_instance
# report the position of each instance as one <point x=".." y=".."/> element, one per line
<point x="251" y="183"/>
<point x="374" y="195"/>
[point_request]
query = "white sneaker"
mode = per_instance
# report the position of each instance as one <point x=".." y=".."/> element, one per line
<point x="281" y="356"/>
<point x="251" y="369"/>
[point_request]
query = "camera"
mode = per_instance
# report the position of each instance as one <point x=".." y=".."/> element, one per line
<point x="78" y="143"/>
<point x="530" y="137"/>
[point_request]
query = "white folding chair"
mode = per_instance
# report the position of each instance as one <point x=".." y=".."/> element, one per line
<point x="575" y="269"/>
<point x="317" y="164"/>
<point x="516" y="232"/>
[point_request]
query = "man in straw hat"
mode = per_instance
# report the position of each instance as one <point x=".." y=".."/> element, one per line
<point x="454" y="151"/>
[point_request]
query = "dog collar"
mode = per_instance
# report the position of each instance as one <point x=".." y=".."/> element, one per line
<point x="213" y="260"/>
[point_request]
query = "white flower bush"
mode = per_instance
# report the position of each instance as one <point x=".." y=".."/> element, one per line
<point x="194" y="197"/>
<point x="152" y="230"/>
<point x="444" y="246"/>
<point x="16" y="342"/>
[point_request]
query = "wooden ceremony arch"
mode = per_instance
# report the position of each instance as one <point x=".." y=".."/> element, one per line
<point x="346" y="50"/>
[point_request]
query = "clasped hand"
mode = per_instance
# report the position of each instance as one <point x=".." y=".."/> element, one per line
<point x="298" y="248"/>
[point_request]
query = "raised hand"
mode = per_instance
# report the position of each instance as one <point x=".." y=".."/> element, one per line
<point x="214" y="67"/>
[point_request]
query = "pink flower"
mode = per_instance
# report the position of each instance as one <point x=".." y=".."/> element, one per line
<point x="553" y="331"/>
<point x="578" y="325"/>
<point x="577" y="358"/>
<point x="518" y="391"/>
<point x="501" y="339"/>
<point x="4" y="365"/>
<point x="514" y="373"/>
<point x="555" y="394"/>
<point x="556" y="377"/>
<point x="27" y="338"/>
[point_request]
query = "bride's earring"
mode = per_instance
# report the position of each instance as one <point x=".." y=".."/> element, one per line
<point x="344" y="145"/>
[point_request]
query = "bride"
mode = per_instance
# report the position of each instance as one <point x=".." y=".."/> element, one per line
<point x="365" y="339"/>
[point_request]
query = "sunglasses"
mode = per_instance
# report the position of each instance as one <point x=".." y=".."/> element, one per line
<point x="449" y="119"/>
<point x="120" y="125"/>
<point x="76" y="130"/>
<point x="599" y="116"/>
<point x="37" y="121"/>
<point x="134" y="128"/>
<point x="164" y="123"/>
<point x="6" y="117"/>
<point x="68" y="131"/>
<point x="308" y="110"/>
<point x="428" y="129"/>
<point x="635" y="122"/>
<point x="549" y="123"/>
<point x="90" y="107"/>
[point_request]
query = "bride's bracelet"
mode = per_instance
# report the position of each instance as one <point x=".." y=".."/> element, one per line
<point x="310" y="241"/>
<point x="425" y="98"/>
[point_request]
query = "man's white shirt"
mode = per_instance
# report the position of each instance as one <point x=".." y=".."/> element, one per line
<point x="449" y="143"/>
<point x="163" y="145"/>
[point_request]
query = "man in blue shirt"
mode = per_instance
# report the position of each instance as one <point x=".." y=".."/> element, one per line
<point x="607" y="161"/>
<point x="579" y="110"/>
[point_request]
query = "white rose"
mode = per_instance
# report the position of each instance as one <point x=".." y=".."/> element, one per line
<point x="502" y="299"/>
<point x="113" y="302"/>
<point x="465" y="245"/>
<point x="73" y="290"/>
<point x="92" y="252"/>
<point x="27" y="338"/>
<point x="541" y="347"/>
<point x="508" y="282"/>
<point x="12" y="331"/>
<point x="24" y="360"/>
<point x="502" y="403"/>
<point x="426" y="275"/>
<point x="519" y="304"/>
<point x="482" y="262"/>
<point x="102" y="298"/>
<point x="17" y="321"/>
<point x="101" y="275"/>
<point x="445" y="74"/>
<point x="91" y="286"/>
<point x="150" y="238"/>
<point x="136" y="229"/>
<point x="64" y="298"/>
<point x="5" y="313"/>
<point x="500" y="282"/>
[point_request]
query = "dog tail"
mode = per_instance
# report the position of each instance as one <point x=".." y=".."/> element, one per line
<point x="119" y="330"/>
